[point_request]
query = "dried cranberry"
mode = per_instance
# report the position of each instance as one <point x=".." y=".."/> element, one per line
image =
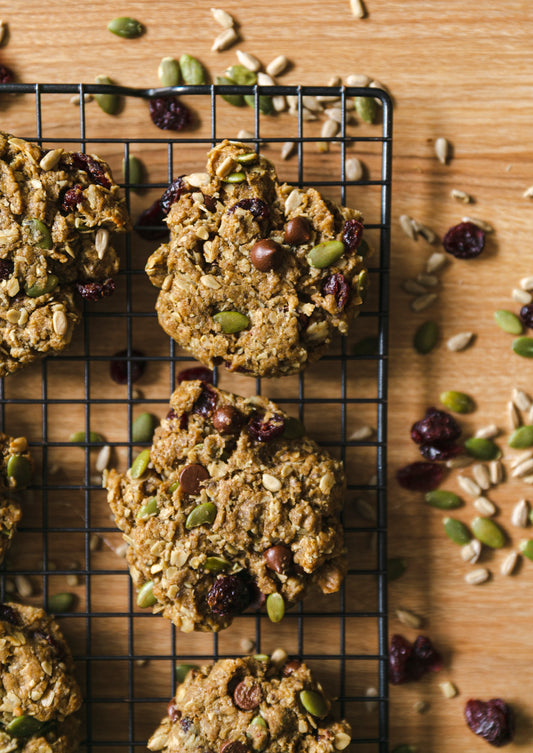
<point x="8" y="614"/>
<point x="186" y="723"/>
<point x="464" y="241"/>
<point x="492" y="720"/>
<point x="201" y="373"/>
<point x="119" y="366"/>
<point x="266" y="429"/>
<point x="229" y="595"/>
<point x="169" y="114"/>
<point x="6" y="75"/>
<point x="436" y="427"/>
<point x="337" y="286"/>
<point x="205" y="404"/>
<point x="439" y="452"/>
<point x="150" y="224"/>
<point x="172" y="194"/>
<point x="93" y="290"/>
<point x="92" y="167"/>
<point x="71" y="198"/>
<point x="425" y="655"/>
<point x="259" y="209"/>
<point x="173" y="712"/>
<point x="6" y="268"/>
<point x="526" y="315"/>
<point x="210" y="203"/>
<point x="409" y="661"/>
<point x="352" y="233"/>
<point x="184" y="422"/>
<point x="171" y="414"/>
<point x="47" y="638"/>
<point x="420" y="477"/>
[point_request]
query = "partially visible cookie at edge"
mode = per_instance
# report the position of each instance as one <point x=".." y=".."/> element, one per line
<point x="58" y="211"/>
<point x="38" y="692"/>
<point x="233" y="503"/>
<point x="245" y="705"/>
<point x="258" y="275"/>
<point x="15" y="474"/>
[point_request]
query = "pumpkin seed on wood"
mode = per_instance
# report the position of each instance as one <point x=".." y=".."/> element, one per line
<point x="133" y="168"/>
<point x="521" y="438"/>
<point x="482" y="449"/>
<point x="443" y="500"/>
<point x="526" y="547"/>
<point x="275" y="607"/>
<point x="458" y="402"/>
<point x="140" y="464"/>
<point x="201" y="515"/>
<point x="192" y="71"/>
<point x="314" y="703"/>
<point x="182" y="670"/>
<point x="325" y="254"/>
<point x="142" y="429"/>
<point x="79" y="436"/>
<point x="264" y="103"/>
<point x="145" y="595"/>
<point x="168" y="72"/>
<point x="61" y="602"/>
<point x="109" y="103"/>
<point x="231" y="321"/>
<point x="367" y="108"/>
<point x="128" y="28"/>
<point x="508" y="321"/>
<point x="488" y="532"/>
<point x="426" y="337"/>
<point x="19" y="470"/>
<point x="457" y="531"/>
<point x="237" y="100"/>
<point x="396" y="567"/>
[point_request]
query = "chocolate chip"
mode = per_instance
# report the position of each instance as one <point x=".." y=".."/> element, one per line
<point x="8" y="614"/>
<point x="290" y="667"/>
<point x="298" y="231"/>
<point x="266" y="255"/>
<point x="233" y="746"/>
<point x="247" y="696"/>
<point x="278" y="558"/>
<point x="6" y="268"/>
<point x="173" y="712"/>
<point x="227" y="419"/>
<point x="191" y="478"/>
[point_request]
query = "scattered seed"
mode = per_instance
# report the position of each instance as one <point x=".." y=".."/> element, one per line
<point x="75" y="100"/>
<point x="469" y="486"/>
<point x="3" y="32"/>
<point x="244" y="134"/>
<point x="526" y="283"/>
<point x="168" y="72"/>
<point x="442" y="149"/>
<point x="459" y="342"/>
<point x="521" y="296"/>
<point x="522" y="468"/>
<point x="482" y="449"/>
<point x="485" y="506"/>
<point x="277" y="66"/>
<point x="371" y="705"/>
<point x="279" y="103"/>
<point x="456" y="530"/>
<point x="479" y="223"/>
<point x="458" y="402"/>
<point x="523" y="346"/>
<point x="509" y="563"/>
<point x="448" y="689"/>
<point x="353" y="169"/>
<point x="521" y="438"/>
<point x="366" y="108"/>
<point x="443" y="500"/>
<point x="103" y="458"/>
<point x="429" y="281"/>
<point x="409" y="618"/>
<point x="488" y="432"/>
<point x="358" y="9"/>
<point x="495" y="472"/>
<point x="287" y="149"/>
<point x="365" y="509"/>
<point x="528" y="193"/>
<point x="471" y="552"/>
<point x="422" y="302"/>
<point x="263" y="79"/>
<point x="223" y="18"/>
<point x="61" y="602"/>
<point x="247" y="645"/>
<point x="224" y="40"/>
<point x="517" y="459"/>
<point x="421" y="707"/>
<point x="521" y="399"/>
<point x="23" y="586"/>
<point x="459" y="195"/>
<point x="72" y="580"/>
<point x="249" y="61"/>
<point x="363" y="432"/>
<point x="460" y="461"/>
<point x="357" y="79"/>
<point x="128" y="28"/>
<point x="478" y="576"/>
<point x="406" y="224"/>
<point x="513" y="415"/>
<point x="396" y="567"/>
<point x="94" y="542"/>
<point x="426" y="232"/>
<point x="508" y="321"/>
<point x="413" y="287"/>
<point x="520" y="514"/>
<point x="436" y="262"/>
<point x="329" y="129"/>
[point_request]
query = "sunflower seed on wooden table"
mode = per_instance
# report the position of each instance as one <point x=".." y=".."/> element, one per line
<point x="223" y="18"/>
<point x="249" y="61"/>
<point x="429" y="281"/>
<point x="406" y="617"/>
<point x="448" y="689"/>
<point x="526" y="283"/>
<point x="3" y="32"/>
<point x="224" y="40"/>
<point x="520" y="457"/>
<point x="461" y="461"/>
<point x="460" y="341"/>
<point x="496" y="472"/>
<point x="459" y="195"/>
<point x="353" y="169"/>
<point x="522" y="469"/>
<point x="436" y="262"/>
<point x="485" y="506"/>
<point x="487" y="432"/>
<point x="479" y="223"/>
<point x="509" y="563"/>
<point x="358" y="79"/>
<point x="471" y="552"/>
<point x="521" y="296"/>
<point x="413" y="287"/>
<point x="357" y="8"/>
<point x="520" y="514"/>
<point x="426" y="232"/>
<point x="24" y="586"/>
<point x="279" y="103"/>
<point x="421" y="707"/>
<point x="329" y="129"/>
<point x="277" y="66"/>
<point x="423" y="302"/>
<point x="481" y="475"/>
<point x="528" y="193"/>
<point x="521" y="399"/>
<point x="363" y="432"/>
<point x="513" y="415"/>
<point x="287" y="149"/>
<point x="442" y="149"/>
<point x="263" y="79"/>
<point x="406" y="224"/>
<point x="478" y="576"/>
<point x="371" y="705"/>
<point x="469" y="486"/>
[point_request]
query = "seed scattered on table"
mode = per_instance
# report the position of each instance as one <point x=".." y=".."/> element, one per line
<point x="357" y="8"/>
<point x="520" y="514"/>
<point x="371" y="706"/>
<point x="459" y="195"/>
<point x="442" y="149"/>
<point x="485" y="506"/>
<point x="522" y="469"/>
<point x="224" y="40"/>
<point x="353" y="169"/>
<point x="422" y="302"/>
<point x="24" y="586"/>
<point x="496" y="472"/>
<point x="482" y="224"/>
<point x="223" y="18"/>
<point x="471" y="552"/>
<point x="509" y="563"/>
<point x="249" y="61"/>
<point x="460" y="341"/>
<point x="406" y="224"/>
<point x="521" y="296"/>
<point x="481" y="475"/>
<point x="406" y="617"/>
<point x="488" y="432"/>
<point x="436" y="262"/>
<point x="287" y="149"/>
<point x="477" y="577"/>
<point x="363" y="432"/>
<point x="469" y="486"/>
<point x="448" y="689"/>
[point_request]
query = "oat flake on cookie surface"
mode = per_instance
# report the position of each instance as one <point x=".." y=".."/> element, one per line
<point x="235" y="504"/>
<point x="243" y="243"/>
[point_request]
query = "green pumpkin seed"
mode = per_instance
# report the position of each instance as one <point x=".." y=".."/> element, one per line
<point x="202" y="514"/>
<point x="325" y="254"/>
<point x="443" y="499"/>
<point x="425" y="337"/>
<point x="216" y="564"/>
<point x="128" y="28"/>
<point x="488" y="532"/>
<point x="396" y="567"/>
<point x="363" y="249"/>
<point x="237" y="100"/>
<point x="275" y="607"/>
<point x="262" y="657"/>
<point x="363" y="281"/>
<point x="231" y="321"/>
<point x="367" y="108"/>
<point x="405" y="748"/>
<point x="239" y="74"/>
<point x="247" y="159"/>
<point x="61" y="602"/>
<point x="258" y="721"/>
<point x="482" y="449"/>
<point x="109" y="103"/>
<point x="238" y="177"/>
<point x="366" y="346"/>
<point x="264" y="103"/>
<point x="192" y="71"/>
<point x="172" y="488"/>
<point x="314" y="703"/>
<point x="526" y="547"/>
<point x="293" y="428"/>
<point x="134" y="171"/>
<point x="24" y="726"/>
<point x="458" y="402"/>
<point x="142" y="429"/>
<point x="19" y="469"/>
<point x="43" y="287"/>
<point x="145" y="595"/>
<point x="523" y="346"/>
<point x="149" y="509"/>
<point x="182" y="670"/>
<point x="79" y="436"/>
<point x="168" y="72"/>
<point x="521" y="438"/>
<point x="508" y="321"/>
<point x="40" y="235"/>
<point x="456" y="531"/>
<point x="140" y="464"/>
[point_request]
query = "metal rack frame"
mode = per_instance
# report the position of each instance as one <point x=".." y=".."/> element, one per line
<point x="46" y="398"/>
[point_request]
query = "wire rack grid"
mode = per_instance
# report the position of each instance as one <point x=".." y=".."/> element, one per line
<point x="125" y="657"/>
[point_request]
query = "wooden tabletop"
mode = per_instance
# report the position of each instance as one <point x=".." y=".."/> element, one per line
<point x="456" y="70"/>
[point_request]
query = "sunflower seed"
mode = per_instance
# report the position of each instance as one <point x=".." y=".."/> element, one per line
<point x="423" y="302"/>
<point x="277" y="66"/>
<point x="522" y="469"/>
<point x="528" y="193"/>
<point x="365" y="509"/>
<point x="527" y="479"/>
<point x="371" y="705"/>
<point x="478" y="576"/>
<point x="421" y="707"/>
<point x="530" y="416"/>
<point x="223" y="18"/>
<point x="460" y="341"/>
<point x="249" y="61"/>
<point x="263" y="79"/>
<point x="459" y="195"/>
<point x="50" y="159"/>
<point x="521" y="296"/>
<point x="287" y="149"/>
<point x="353" y="169"/>
<point x="358" y="79"/>
<point x="495" y="472"/>
<point x="12" y="288"/>
<point x="363" y="432"/>
<point x="520" y="514"/>
<point x="481" y="475"/>
<point x="307" y="114"/>
<point x="429" y="281"/>
<point x="469" y="486"/>
<point x="24" y="586"/>
<point x="279" y="103"/>
<point x="334" y="113"/>
<point x="436" y="262"/>
<point x="409" y="618"/>
<point x="3" y="32"/>
<point x="526" y="283"/>
<point x="426" y="232"/>
<point x="101" y="240"/>
<point x="75" y="100"/>
<point x="442" y="149"/>
<point x="471" y="552"/>
<point x="406" y="223"/>
<point x="271" y="483"/>
<point x="311" y="103"/>
<point x="513" y="415"/>
<point x="521" y="399"/>
<point x="329" y="129"/>
<point x="413" y="287"/>
<point x="103" y="458"/>
<point x="358" y="9"/>
<point x="509" y="563"/>
<point x="244" y="134"/>
<point x="479" y="223"/>
<point x="448" y="689"/>
<point x="198" y="179"/>
<point x="487" y="432"/>
<point x="375" y="84"/>
<point x="461" y="461"/>
<point x="517" y="459"/>
<point x="59" y="322"/>
<point x="224" y="40"/>
<point x="485" y="506"/>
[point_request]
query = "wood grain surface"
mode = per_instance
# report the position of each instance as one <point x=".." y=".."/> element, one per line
<point x="458" y="70"/>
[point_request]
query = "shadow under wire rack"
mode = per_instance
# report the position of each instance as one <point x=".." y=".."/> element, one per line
<point x="126" y="657"/>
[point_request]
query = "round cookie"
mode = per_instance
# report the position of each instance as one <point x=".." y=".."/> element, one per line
<point x="57" y="212"/>
<point x="245" y="705"/>
<point x="38" y="692"/>
<point x="15" y="474"/>
<point x="236" y="503"/>
<point x="245" y="279"/>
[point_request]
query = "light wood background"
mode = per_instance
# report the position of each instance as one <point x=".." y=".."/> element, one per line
<point x="458" y="70"/>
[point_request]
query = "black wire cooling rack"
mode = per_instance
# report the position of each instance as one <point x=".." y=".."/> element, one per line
<point x="67" y="543"/>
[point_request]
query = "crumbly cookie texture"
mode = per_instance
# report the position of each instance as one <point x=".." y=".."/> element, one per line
<point x="15" y="474"/>
<point x="57" y="213"/>
<point x="38" y="692"/>
<point x="236" y="503"/>
<point x="288" y="307"/>
<point x="245" y="705"/>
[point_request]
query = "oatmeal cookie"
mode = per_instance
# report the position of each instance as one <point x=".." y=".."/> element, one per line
<point x="233" y="502"/>
<point x="57" y="212"/>
<point x="257" y="275"/>
<point x="38" y="692"/>
<point x="15" y="474"/>
<point x="245" y="705"/>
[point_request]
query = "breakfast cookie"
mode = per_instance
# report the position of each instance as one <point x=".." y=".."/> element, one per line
<point x="257" y="275"/>
<point x="232" y="504"/>
<point x="38" y="692"/>
<point x="15" y="474"/>
<point x="245" y="705"/>
<point x="57" y="212"/>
